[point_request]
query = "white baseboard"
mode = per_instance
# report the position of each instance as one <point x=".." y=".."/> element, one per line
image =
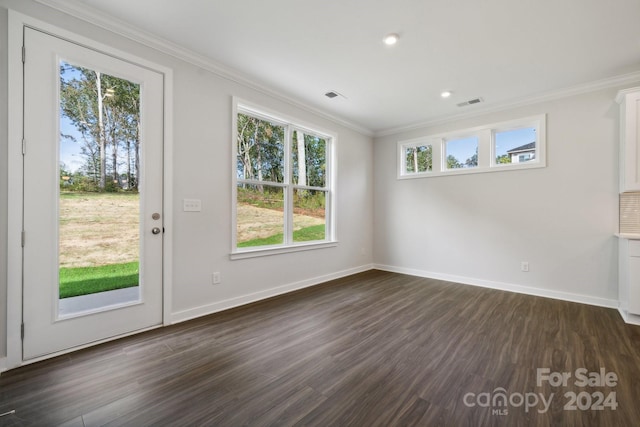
<point x="631" y="319"/>
<point x="547" y="293"/>
<point x="3" y="364"/>
<point x="204" y="310"/>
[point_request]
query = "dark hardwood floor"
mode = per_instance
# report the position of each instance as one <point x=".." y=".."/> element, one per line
<point x="374" y="349"/>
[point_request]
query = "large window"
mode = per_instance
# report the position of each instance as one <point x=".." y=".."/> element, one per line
<point x="517" y="144"/>
<point x="282" y="177"/>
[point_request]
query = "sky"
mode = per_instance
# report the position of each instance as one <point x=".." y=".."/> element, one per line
<point x="70" y="150"/>
<point x="464" y="148"/>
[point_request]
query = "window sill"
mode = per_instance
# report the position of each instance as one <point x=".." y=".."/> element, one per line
<point x="628" y="236"/>
<point x="479" y="169"/>
<point x="271" y="250"/>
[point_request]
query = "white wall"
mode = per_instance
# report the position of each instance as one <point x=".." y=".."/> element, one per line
<point x="3" y="181"/>
<point x="478" y="228"/>
<point x="202" y="169"/>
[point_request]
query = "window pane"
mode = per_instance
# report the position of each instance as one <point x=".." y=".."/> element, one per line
<point x="309" y="212"/>
<point x="515" y="146"/>
<point x="462" y="153"/>
<point x="260" y="149"/>
<point x="418" y="159"/>
<point x="260" y="215"/>
<point x="309" y="160"/>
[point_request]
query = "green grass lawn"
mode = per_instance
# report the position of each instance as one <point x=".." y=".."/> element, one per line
<point x="315" y="232"/>
<point x="89" y="280"/>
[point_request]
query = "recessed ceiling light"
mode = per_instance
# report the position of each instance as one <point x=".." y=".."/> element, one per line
<point x="391" y="39"/>
<point x="446" y="94"/>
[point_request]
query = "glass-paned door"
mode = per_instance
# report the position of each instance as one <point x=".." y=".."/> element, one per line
<point x="92" y="196"/>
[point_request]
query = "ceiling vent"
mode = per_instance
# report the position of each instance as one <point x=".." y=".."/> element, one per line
<point x="333" y="94"/>
<point x="470" y="102"/>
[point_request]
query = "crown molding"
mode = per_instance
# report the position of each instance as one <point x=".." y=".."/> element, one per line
<point x="621" y="80"/>
<point x="88" y="14"/>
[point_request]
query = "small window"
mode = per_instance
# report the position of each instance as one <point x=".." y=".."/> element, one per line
<point x="515" y="146"/>
<point x="505" y="146"/>
<point x="418" y="158"/>
<point x="462" y="153"/>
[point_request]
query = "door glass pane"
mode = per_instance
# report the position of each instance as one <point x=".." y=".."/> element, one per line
<point x="99" y="198"/>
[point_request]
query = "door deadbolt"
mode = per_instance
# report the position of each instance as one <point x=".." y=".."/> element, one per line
<point x="155" y="216"/>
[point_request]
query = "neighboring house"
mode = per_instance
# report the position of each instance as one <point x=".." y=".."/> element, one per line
<point x="524" y="153"/>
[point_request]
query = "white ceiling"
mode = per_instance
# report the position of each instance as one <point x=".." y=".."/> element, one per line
<point x="500" y="50"/>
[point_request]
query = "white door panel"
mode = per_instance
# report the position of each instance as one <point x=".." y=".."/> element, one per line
<point x="46" y="329"/>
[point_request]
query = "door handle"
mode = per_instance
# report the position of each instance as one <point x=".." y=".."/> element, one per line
<point x="156" y="230"/>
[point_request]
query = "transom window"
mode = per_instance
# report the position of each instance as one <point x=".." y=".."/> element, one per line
<point x="517" y="144"/>
<point x="417" y="158"/>
<point x="283" y="194"/>
<point x="462" y="152"/>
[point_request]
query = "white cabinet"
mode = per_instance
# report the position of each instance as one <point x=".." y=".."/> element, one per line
<point x="629" y="249"/>
<point x="629" y="277"/>
<point x="629" y="100"/>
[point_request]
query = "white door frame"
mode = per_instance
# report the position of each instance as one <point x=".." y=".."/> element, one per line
<point x="17" y="22"/>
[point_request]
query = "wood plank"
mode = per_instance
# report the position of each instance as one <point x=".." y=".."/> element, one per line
<point x="371" y="349"/>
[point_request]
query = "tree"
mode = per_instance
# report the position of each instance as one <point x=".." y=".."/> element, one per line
<point x="102" y="138"/>
<point x="452" y="162"/>
<point x="260" y="150"/>
<point x="309" y="170"/>
<point x="302" y="158"/>
<point x="419" y="158"/>
<point x="105" y="111"/>
<point x="503" y="159"/>
<point x="473" y="160"/>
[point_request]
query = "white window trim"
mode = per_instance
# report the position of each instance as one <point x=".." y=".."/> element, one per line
<point x="486" y="149"/>
<point x="290" y="123"/>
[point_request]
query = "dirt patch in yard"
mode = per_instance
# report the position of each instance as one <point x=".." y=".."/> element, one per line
<point x="103" y="228"/>
<point x="98" y="229"/>
<point x="259" y="223"/>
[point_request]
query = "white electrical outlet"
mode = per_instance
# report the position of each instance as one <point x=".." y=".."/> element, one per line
<point x="524" y="266"/>
<point x="191" y="205"/>
<point x="215" y="278"/>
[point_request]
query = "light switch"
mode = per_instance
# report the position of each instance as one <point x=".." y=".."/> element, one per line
<point x="192" y="205"/>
